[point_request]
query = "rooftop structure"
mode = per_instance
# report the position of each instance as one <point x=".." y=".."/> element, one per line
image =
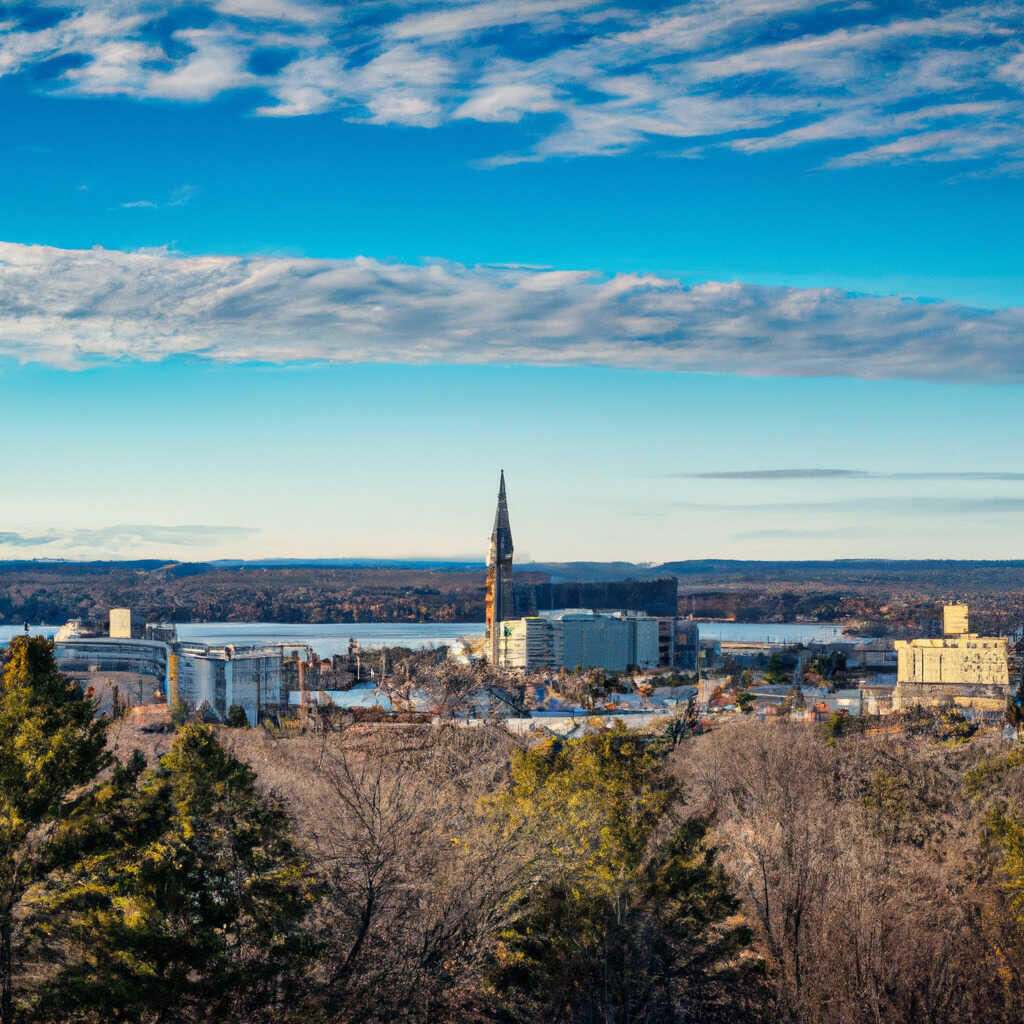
<point x="954" y="619"/>
<point x="125" y="624"/>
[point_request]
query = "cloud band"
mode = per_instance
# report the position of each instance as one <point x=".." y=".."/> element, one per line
<point x="75" y="308"/>
<point x="882" y="83"/>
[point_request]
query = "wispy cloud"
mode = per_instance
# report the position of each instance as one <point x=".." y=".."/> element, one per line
<point x="774" y="474"/>
<point x="844" y="474"/>
<point x="73" y="308"/>
<point x="901" y="505"/>
<point x="181" y="195"/>
<point x="178" y="197"/>
<point x="127" y="536"/>
<point x="797" y="534"/>
<point x="877" y="82"/>
<point x="23" y="540"/>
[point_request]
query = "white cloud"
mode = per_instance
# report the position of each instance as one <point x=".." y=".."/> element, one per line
<point x="507" y="102"/>
<point x="73" y="308"/>
<point x="180" y="196"/>
<point x="752" y="74"/>
<point x="455" y="21"/>
<point x="274" y="10"/>
<point x="127" y="537"/>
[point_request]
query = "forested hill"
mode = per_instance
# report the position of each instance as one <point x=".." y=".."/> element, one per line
<point x="51" y="592"/>
<point x="944" y="573"/>
<point x="873" y="592"/>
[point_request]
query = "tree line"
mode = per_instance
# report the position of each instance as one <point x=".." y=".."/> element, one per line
<point x="409" y="873"/>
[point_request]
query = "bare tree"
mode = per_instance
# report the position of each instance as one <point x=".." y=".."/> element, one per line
<point x="858" y="863"/>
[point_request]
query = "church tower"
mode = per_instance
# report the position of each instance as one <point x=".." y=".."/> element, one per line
<point x="499" y="574"/>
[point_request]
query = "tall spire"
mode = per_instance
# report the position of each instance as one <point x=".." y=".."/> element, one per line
<point x="499" y="601"/>
<point x="501" y="535"/>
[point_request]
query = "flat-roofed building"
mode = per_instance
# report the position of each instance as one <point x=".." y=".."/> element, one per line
<point x="965" y="669"/>
<point x="579" y="637"/>
<point x="253" y="678"/>
<point x="195" y="674"/>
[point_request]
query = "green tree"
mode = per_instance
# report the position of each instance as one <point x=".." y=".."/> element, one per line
<point x="836" y="725"/>
<point x="745" y="702"/>
<point x="52" y="745"/>
<point x="626" y="916"/>
<point x="191" y="911"/>
<point x="179" y="713"/>
<point x="237" y="718"/>
<point x="776" y="673"/>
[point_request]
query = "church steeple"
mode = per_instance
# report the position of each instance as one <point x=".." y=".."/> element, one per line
<point x="499" y="603"/>
<point x="501" y="535"/>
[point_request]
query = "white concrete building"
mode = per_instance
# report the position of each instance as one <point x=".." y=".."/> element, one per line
<point x="250" y="677"/>
<point x="194" y="673"/>
<point x="578" y="637"/>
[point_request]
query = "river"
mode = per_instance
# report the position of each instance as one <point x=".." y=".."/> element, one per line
<point x="330" y="638"/>
<point x="326" y="638"/>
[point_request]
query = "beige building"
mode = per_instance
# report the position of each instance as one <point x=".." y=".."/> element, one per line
<point x="125" y="624"/>
<point x="959" y="668"/>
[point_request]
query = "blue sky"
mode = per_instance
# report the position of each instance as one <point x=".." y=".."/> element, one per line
<point x="287" y="278"/>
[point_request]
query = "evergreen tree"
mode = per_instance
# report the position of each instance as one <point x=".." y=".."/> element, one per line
<point x="52" y="745"/>
<point x="776" y="673"/>
<point x="237" y="718"/>
<point x="626" y="916"/>
<point x="192" y="911"/>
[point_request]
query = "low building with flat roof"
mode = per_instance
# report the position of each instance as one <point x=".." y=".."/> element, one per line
<point x="959" y="668"/>
<point x="196" y="674"/>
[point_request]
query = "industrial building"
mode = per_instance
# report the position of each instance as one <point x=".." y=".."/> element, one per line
<point x="125" y="670"/>
<point x="251" y="677"/>
<point x="958" y="668"/>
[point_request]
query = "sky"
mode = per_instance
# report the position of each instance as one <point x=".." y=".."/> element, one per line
<point x="720" y="278"/>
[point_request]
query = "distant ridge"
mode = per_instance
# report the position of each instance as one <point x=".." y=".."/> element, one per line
<point x="348" y="563"/>
<point x="452" y="590"/>
<point x="644" y="570"/>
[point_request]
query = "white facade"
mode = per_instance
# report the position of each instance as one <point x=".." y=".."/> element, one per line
<point x="250" y="677"/>
<point x="571" y="638"/>
<point x="195" y="674"/>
